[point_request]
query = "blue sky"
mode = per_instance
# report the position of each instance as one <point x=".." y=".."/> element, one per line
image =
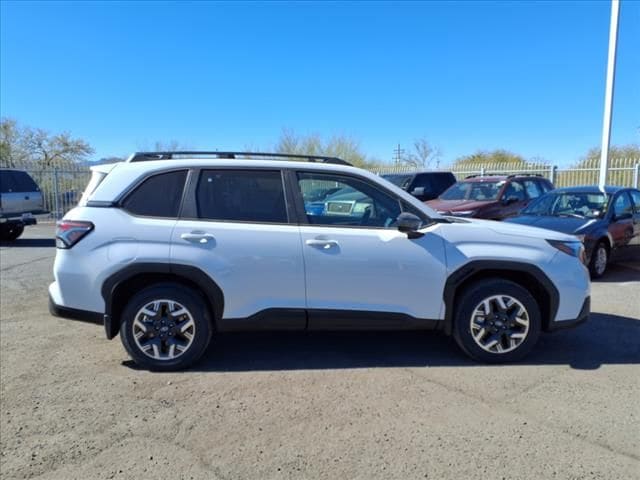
<point x="528" y="77"/>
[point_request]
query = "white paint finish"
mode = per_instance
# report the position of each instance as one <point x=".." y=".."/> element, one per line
<point x="375" y="269"/>
<point x="81" y="270"/>
<point x="257" y="266"/>
<point x="498" y="241"/>
<point x="260" y="266"/>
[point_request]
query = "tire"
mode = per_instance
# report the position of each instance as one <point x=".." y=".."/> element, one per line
<point x="11" y="232"/>
<point x="148" y="337"/>
<point x="599" y="260"/>
<point x="469" y="323"/>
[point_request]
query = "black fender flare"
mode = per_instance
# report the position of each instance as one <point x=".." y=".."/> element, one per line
<point x="468" y="270"/>
<point x="187" y="273"/>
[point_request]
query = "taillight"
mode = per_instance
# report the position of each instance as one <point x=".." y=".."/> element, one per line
<point x="70" y="232"/>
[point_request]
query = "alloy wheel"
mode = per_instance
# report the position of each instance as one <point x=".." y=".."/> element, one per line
<point x="601" y="260"/>
<point x="499" y="324"/>
<point x="163" y="329"/>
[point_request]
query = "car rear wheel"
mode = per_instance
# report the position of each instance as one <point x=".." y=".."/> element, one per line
<point x="497" y="321"/>
<point x="599" y="260"/>
<point x="166" y="327"/>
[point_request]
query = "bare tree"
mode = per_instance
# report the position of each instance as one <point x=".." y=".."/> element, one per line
<point x="341" y="146"/>
<point x="423" y="154"/>
<point x="20" y="145"/>
<point x="12" y="151"/>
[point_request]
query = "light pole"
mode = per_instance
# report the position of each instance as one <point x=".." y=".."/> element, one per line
<point x="608" y="96"/>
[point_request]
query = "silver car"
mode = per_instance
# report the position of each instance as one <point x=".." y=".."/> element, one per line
<point x="20" y="199"/>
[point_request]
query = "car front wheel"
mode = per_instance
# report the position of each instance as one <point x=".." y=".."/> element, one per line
<point x="497" y="321"/>
<point x="599" y="260"/>
<point x="166" y="327"/>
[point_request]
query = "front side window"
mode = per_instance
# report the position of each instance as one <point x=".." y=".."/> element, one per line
<point x="349" y="201"/>
<point x="157" y="196"/>
<point x="569" y="204"/>
<point x="514" y="190"/>
<point x="622" y="205"/>
<point x="241" y="196"/>
<point x="533" y="188"/>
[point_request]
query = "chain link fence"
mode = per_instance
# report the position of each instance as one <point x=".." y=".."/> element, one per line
<point x="62" y="185"/>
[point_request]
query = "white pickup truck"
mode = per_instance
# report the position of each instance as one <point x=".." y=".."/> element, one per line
<point x="20" y="199"/>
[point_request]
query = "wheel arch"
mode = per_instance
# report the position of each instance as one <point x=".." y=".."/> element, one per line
<point x="122" y="285"/>
<point x="528" y="276"/>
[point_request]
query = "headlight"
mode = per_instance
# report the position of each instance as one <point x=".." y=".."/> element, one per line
<point x="464" y="213"/>
<point x="573" y="248"/>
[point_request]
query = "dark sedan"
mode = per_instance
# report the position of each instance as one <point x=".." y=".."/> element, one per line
<point x="607" y="223"/>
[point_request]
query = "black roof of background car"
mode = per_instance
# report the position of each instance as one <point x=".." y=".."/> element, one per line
<point x="610" y="189"/>
<point x="437" y="172"/>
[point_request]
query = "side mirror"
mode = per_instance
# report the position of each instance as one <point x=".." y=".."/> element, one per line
<point x="417" y="192"/>
<point x="510" y="199"/>
<point x="410" y="224"/>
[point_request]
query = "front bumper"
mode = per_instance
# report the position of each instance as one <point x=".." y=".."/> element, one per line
<point x="582" y="317"/>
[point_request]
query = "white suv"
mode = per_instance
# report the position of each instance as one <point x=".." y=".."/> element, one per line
<point x="170" y="248"/>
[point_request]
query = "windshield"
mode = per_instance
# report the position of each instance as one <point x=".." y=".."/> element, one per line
<point x="569" y="204"/>
<point x="401" y="181"/>
<point x="480" y="191"/>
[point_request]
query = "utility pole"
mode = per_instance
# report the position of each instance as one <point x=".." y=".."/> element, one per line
<point x="608" y="96"/>
<point x="398" y="155"/>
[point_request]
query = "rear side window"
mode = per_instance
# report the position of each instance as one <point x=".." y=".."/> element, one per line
<point x="16" y="181"/>
<point x="241" y="196"/>
<point x="157" y="196"/>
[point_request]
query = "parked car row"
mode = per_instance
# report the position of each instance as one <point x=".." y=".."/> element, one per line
<point x="608" y="223"/>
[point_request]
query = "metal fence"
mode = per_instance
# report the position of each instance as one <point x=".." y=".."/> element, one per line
<point x="63" y="185"/>
<point x="623" y="172"/>
<point x="61" y="188"/>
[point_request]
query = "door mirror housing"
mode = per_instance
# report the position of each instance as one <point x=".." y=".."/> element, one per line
<point x="410" y="224"/>
<point x="417" y="192"/>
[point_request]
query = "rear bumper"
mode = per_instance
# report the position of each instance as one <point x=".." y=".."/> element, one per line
<point x="75" y="314"/>
<point x="582" y="317"/>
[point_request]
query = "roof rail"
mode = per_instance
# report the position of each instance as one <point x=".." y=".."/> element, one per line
<point x="525" y="175"/>
<point x="513" y="175"/>
<point x="149" y="156"/>
<point x="475" y="175"/>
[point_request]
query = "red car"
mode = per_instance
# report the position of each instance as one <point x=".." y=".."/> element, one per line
<point x="494" y="197"/>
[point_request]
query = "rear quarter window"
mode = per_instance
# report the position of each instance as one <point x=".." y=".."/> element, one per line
<point x="157" y="196"/>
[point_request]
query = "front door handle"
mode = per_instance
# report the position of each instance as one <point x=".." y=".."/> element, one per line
<point x="197" y="237"/>
<point x="324" y="244"/>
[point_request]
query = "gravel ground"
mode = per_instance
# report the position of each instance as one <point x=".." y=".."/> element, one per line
<point x="349" y="405"/>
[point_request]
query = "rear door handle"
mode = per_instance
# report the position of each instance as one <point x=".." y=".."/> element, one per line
<point x="197" y="237"/>
<point x="324" y="244"/>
